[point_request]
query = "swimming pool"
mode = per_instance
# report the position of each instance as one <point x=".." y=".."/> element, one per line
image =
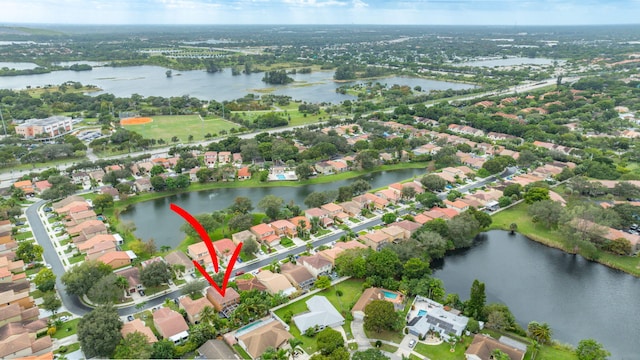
<point x="281" y="177"/>
<point x="246" y="328"/>
<point x="390" y="295"/>
<point x="422" y="312"/>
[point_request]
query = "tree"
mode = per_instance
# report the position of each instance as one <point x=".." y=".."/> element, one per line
<point x="367" y="159"/>
<point x="208" y="222"/>
<point x="45" y="280"/>
<point x="204" y="174"/>
<point x="498" y="354"/>
<point x="250" y="246"/>
<point x="329" y="340"/>
<point x="504" y="201"/>
<point x="105" y="290"/>
<point x="154" y="274"/>
<point x="158" y="183"/>
<point x="462" y="229"/>
<point x="619" y="246"/>
<point x="134" y="346"/>
<point x="240" y="222"/>
<point x="433" y="182"/>
<point x="380" y="315"/>
<point x="408" y="193"/>
<point x="99" y="332"/>
<point x="369" y="354"/>
<point x="193" y="288"/>
<point x="28" y="251"/>
<point x="200" y="333"/>
<point x="271" y="206"/>
<point x="323" y="282"/>
<point x="475" y="305"/>
<point x="315" y="199"/>
<point x="539" y="332"/>
<point x="496" y="321"/>
<point x="428" y="199"/>
<point x="512" y="189"/>
<point x="384" y="263"/>
<point x="453" y="341"/>
<point x="415" y="268"/>
<point x="241" y="205"/>
<point x="80" y="278"/>
<point x="483" y="219"/>
<point x="303" y="171"/>
<point x="51" y="302"/>
<point x="274" y="354"/>
<point x="536" y="194"/>
<point x="103" y="201"/>
<point x="208" y="315"/>
<point x="589" y="349"/>
<point x="388" y="218"/>
<point x="164" y="349"/>
<point x="360" y="186"/>
<point x="546" y="212"/>
<point x="352" y="262"/>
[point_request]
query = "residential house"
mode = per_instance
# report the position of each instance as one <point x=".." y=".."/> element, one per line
<point x="275" y="283"/>
<point x="242" y="236"/>
<point x="132" y="275"/>
<point x="80" y="217"/>
<point x="244" y="173"/>
<point x="389" y="194"/>
<point x="225" y="304"/>
<point x="352" y="244"/>
<point x="171" y="325"/>
<point x="74" y="206"/>
<point x="298" y="275"/>
<point x="215" y="349"/>
<point x="224" y="249"/>
<point x="110" y="190"/>
<point x="338" y="166"/>
<point x="179" y="258"/>
<point x="224" y="157"/>
<point x="87" y="232"/>
<point x="110" y="168"/>
<point x="15" y="313"/>
<point x="193" y="174"/>
<point x="332" y="209"/>
<point x="483" y="346"/>
<point x="321" y="314"/>
<point x="324" y="168"/>
<point x="265" y="234"/>
<point x="142" y="185"/>
<point x="16" y="296"/>
<point x="236" y="158"/>
<point x="136" y="325"/>
<point x="193" y="308"/>
<point x="351" y="208"/>
<point x="395" y="233"/>
<point x="25" y="185"/>
<point x="427" y="315"/>
<point x="409" y="227"/>
<point x="96" y="249"/>
<point x="316" y="264"/>
<point x="42" y="185"/>
<point x="80" y="178"/>
<point x="116" y="259"/>
<point x="331" y="254"/>
<point x="97" y="175"/>
<point x="300" y="222"/>
<point x="18" y="340"/>
<point x="268" y="334"/>
<point x="374" y="293"/>
<point x="323" y="215"/>
<point x="210" y="158"/>
<point x="457" y="205"/>
<point x="250" y="284"/>
<point x="376" y="239"/>
<point x="199" y="252"/>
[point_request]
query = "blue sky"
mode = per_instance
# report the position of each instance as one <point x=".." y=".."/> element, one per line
<point x="421" y="12"/>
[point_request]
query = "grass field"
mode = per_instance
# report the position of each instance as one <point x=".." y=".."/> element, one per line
<point x="165" y="127"/>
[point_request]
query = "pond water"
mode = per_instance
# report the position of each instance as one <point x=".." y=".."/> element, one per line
<point x="315" y="87"/>
<point x="18" y="65"/>
<point x="579" y="299"/>
<point x="153" y="219"/>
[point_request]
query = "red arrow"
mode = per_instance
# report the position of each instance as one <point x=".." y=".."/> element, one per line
<point x="205" y="237"/>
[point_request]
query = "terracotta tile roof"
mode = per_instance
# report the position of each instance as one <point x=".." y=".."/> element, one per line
<point x="224" y="246"/>
<point x="138" y="326"/>
<point x="270" y="335"/>
<point x="315" y="261"/>
<point x="169" y="322"/>
<point x="353" y="244"/>
<point x="250" y="284"/>
<point x="483" y="345"/>
<point x="230" y="295"/>
<point x="178" y="258"/>
<point x="194" y="307"/>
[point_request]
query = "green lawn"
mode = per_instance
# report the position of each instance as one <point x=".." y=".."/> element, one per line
<point x="243" y="354"/>
<point x="36" y="294"/>
<point x="386" y="347"/>
<point x="393" y="336"/>
<point x="67" y="349"/>
<point x="23" y="236"/>
<point x="76" y="259"/>
<point x="67" y="329"/>
<point x="442" y="351"/>
<point x="552" y="353"/>
<point x="165" y="127"/>
<point x="518" y="214"/>
<point x="351" y="291"/>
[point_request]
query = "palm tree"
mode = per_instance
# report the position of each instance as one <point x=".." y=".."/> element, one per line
<point x="513" y="227"/>
<point x="122" y="282"/>
<point x="208" y="315"/>
<point x="165" y="248"/>
<point x="540" y="332"/>
<point x="275" y="266"/>
<point x="294" y="345"/>
<point x="453" y="341"/>
<point x="315" y="224"/>
<point x="535" y="347"/>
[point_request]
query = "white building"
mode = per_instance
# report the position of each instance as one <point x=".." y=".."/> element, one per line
<point x="52" y="127"/>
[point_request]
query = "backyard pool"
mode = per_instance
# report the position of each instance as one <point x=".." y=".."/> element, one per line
<point x="390" y="295"/>
<point x="422" y="312"/>
<point x="281" y="177"/>
<point x="246" y="328"/>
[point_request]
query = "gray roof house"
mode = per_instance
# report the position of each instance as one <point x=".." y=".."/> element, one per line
<point x="321" y="314"/>
<point x="433" y="316"/>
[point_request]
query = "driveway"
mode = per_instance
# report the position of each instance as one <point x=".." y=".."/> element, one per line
<point x="357" y="330"/>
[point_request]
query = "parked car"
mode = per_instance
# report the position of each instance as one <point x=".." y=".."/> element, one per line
<point x="412" y="343"/>
<point x="48" y="209"/>
<point x="141" y="292"/>
<point x="130" y="318"/>
<point x="239" y="272"/>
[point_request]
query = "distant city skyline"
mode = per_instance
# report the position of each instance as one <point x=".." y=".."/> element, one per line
<point x="409" y="12"/>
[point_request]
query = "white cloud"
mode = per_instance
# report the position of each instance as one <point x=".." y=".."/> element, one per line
<point x="315" y="3"/>
<point x="359" y="4"/>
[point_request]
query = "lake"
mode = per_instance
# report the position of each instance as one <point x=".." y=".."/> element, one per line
<point x="153" y="219"/>
<point x="315" y="87"/>
<point x="578" y="298"/>
<point x="18" y="65"/>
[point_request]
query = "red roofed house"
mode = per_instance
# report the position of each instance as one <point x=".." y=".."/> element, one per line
<point x="171" y="325"/>
<point x="456" y="205"/>
<point x="224" y="249"/>
<point x="316" y="264"/>
<point x="42" y="186"/>
<point x="138" y="326"/>
<point x="265" y="234"/>
<point x="284" y="228"/>
<point x="375" y="240"/>
<point x="25" y="186"/>
<point x="226" y="303"/>
<point x="244" y="173"/>
<point x="210" y="158"/>
<point x="193" y="308"/>
<point x="116" y="259"/>
<point x="200" y="253"/>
